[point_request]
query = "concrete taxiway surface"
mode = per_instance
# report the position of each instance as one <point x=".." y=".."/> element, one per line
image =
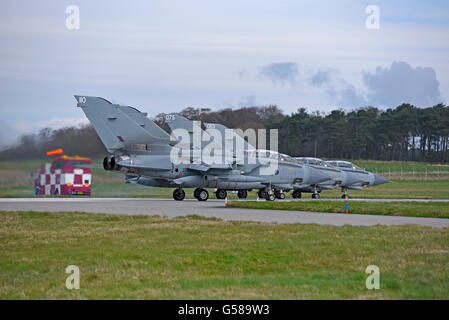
<point x="211" y="208"/>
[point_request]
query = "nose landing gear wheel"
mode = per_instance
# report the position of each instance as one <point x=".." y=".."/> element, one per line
<point x="315" y="195"/>
<point x="345" y="196"/>
<point x="202" y="195"/>
<point x="220" y="193"/>
<point x="179" y="194"/>
<point x="270" y="197"/>
<point x="242" y="194"/>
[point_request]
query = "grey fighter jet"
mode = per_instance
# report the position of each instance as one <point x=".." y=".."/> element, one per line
<point x="344" y="174"/>
<point x="305" y="175"/>
<point x="369" y="179"/>
<point x="144" y="153"/>
<point x="339" y="178"/>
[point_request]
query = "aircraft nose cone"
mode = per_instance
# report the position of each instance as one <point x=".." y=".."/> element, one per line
<point x="379" y="180"/>
<point x="317" y="176"/>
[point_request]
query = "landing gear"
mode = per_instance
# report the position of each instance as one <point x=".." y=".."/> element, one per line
<point x="220" y="194"/>
<point x="179" y="194"/>
<point x="201" y="194"/>
<point x="315" y="195"/>
<point x="296" y="194"/>
<point x="242" y="194"/>
<point x="270" y="197"/>
<point x="279" y="194"/>
<point x="345" y="194"/>
<point x="262" y="193"/>
<point x="195" y="192"/>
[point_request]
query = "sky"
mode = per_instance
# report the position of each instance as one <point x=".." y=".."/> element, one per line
<point x="163" y="56"/>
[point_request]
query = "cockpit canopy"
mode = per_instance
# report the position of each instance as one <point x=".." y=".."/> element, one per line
<point x="269" y="154"/>
<point x="343" y="164"/>
<point x="308" y="160"/>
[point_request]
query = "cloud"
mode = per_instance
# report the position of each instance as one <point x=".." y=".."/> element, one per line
<point x="319" y="78"/>
<point x="341" y="92"/>
<point x="401" y="83"/>
<point x="351" y="96"/>
<point x="243" y="102"/>
<point x="284" y="72"/>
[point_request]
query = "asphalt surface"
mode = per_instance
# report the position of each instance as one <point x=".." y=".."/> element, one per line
<point x="211" y="208"/>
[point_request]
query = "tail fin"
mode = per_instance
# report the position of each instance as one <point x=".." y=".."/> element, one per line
<point x="176" y="121"/>
<point x="119" y="127"/>
<point x="222" y="128"/>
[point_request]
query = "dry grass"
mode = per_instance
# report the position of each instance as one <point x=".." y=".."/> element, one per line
<point x="187" y="258"/>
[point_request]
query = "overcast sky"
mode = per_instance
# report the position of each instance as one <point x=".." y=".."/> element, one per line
<point x="163" y="56"/>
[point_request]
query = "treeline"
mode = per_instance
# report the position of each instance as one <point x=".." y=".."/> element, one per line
<point x="405" y="133"/>
<point x="82" y="141"/>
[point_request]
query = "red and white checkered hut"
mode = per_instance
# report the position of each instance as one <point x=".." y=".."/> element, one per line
<point x="65" y="175"/>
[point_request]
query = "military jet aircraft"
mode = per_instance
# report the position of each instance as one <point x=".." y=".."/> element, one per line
<point x="310" y="175"/>
<point x="346" y="179"/>
<point x="144" y="153"/>
<point x="344" y="174"/>
<point x="369" y="179"/>
<point x="339" y="178"/>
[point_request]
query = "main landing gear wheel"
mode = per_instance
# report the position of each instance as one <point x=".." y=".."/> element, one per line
<point x="296" y="194"/>
<point x="179" y="194"/>
<point x="202" y="195"/>
<point x="262" y="194"/>
<point x="345" y="196"/>
<point x="279" y="195"/>
<point x="270" y="197"/>
<point x="315" y="195"/>
<point x="242" y="194"/>
<point x="195" y="192"/>
<point x="220" y="193"/>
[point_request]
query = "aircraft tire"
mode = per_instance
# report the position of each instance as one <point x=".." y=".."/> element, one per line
<point x="221" y="194"/>
<point x="106" y="164"/>
<point x="279" y="195"/>
<point x="262" y="193"/>
<point x="242" y="194"/>
<point x="179" y="194"/>
<point x="195" y="193"/>
<point x="270" y="197"/>
<point x="315" y="195"/>
<point x="203" y="195"/>
<point x="296" y="194"/>
<point x="344" y="196"/>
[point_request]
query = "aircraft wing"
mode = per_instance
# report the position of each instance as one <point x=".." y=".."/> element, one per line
<point x="205" y="168"/>
<point x="241" y="178"/>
